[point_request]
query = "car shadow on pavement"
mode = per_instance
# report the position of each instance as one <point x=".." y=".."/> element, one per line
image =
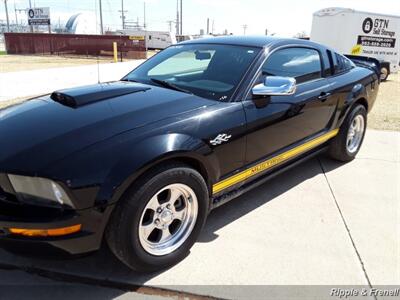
<point x="262" y="195"/>
<point x="102" y="268"/>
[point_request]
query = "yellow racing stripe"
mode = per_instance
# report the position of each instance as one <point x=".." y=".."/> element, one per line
<point x="267" y="164"/>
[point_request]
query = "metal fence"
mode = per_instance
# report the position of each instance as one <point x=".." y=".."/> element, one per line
<point x="2" y="45"/>
<point x="73" y="44"/>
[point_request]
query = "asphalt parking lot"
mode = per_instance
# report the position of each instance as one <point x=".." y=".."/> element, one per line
<point x="321" y="223"/>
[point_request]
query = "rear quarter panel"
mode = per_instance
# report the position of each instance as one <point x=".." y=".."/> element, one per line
<point x="358" y="84"/>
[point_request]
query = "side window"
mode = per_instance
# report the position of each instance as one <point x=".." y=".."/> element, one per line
<point x="338" y="63"/>
<point x="348" y="63"/>
<point x="331" y="64"/>
<point x="341" y="63"/>
<point x="301" y="63"/>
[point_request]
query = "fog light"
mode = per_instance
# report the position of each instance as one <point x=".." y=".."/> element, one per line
<point x="46" y="232"/>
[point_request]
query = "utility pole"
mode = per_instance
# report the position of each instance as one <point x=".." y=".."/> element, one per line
<point x="16" y="17"/>
<point x="144" y="15"/>
<point x="8" y="21"/>
<point x="30" y="6"/>
<point x="177" y="17"/>
<point x="244" y="29"/>
<point x="181" y="29"/>
<point x="101" y="18"/>
<point x="208" y="26"/>
<point x="122" y="11"/>
<point x="170" y="25"/>
<point x="123" y="14"/>
<point x="144" y="26"/>
<point x="18" y="10"/>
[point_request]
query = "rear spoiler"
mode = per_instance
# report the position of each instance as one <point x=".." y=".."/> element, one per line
<point x="366" y="62"/>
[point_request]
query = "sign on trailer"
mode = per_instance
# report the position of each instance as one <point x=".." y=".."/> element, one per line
<point x="136" y="37"/>
<point x="359" y="33"/>
<point x="39" y="16"/>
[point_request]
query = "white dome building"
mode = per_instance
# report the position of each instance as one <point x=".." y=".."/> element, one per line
<point x="82" y="23"/>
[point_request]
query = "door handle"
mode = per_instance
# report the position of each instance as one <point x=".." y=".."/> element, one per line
<point x="323" y="96"/>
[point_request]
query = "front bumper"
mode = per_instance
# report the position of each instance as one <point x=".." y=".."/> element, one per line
<point x="89" y="238"/>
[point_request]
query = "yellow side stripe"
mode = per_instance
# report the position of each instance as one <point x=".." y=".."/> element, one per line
<point x="267" y="164"/>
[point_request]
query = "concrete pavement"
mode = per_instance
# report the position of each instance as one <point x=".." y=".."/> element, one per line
<point x="21" y="285"/>
<point x="321" y="223"/>
<point x="368" y="194"/>
<point x="36" y="82"/>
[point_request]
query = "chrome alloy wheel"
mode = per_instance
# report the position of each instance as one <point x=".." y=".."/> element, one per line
<point x="168" y="219"/>
<point x="355" y="134"/>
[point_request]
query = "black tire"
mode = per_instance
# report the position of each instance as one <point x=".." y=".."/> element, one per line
<point x="338" y="149"/>
<point x="384" y="73"/>
<point x="122" y="233"/>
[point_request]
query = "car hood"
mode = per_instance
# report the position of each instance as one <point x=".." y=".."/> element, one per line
<point x="46" y="129"/>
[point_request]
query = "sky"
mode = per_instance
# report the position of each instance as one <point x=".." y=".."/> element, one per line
<point x="281" y="17"/>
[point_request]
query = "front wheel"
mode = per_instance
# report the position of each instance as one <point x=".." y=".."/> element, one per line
<point x="345" y="146"/>
<point x="159" y="218"/>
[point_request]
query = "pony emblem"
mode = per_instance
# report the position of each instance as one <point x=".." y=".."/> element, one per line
<point x="221" y="138"/>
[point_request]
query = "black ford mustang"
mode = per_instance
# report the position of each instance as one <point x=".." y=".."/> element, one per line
<point x="142" y="161"/>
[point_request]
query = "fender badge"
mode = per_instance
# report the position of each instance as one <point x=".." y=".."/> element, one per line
<point x="220" y="139"/>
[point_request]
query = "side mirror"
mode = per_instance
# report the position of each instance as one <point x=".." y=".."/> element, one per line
<point x="275" y="86"/>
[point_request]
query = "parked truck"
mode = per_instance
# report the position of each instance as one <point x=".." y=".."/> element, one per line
<point x="360" y="33"/>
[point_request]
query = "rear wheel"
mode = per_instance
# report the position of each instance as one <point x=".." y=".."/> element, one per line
<point x="347" y="143"/>
<point x="159" y="218"/>
<point x="384" y="74"/>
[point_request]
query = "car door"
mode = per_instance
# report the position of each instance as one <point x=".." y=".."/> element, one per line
<point x="285" y="121"/>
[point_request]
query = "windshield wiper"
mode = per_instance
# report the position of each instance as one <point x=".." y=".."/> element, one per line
<point x="169" y="85"/>
<point x="130" y="80"/>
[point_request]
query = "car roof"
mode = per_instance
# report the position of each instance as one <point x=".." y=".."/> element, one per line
<point x="250" y="41"/>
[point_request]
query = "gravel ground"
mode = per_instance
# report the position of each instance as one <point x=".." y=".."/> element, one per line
<point x="385" y="114"/>
<point x="4" y="104"/>
<point x="14" y="63"/>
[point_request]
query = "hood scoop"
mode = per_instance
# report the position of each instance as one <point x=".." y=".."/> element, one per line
<point x="77" y="97"/>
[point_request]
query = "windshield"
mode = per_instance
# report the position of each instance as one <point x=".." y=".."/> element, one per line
<point x="206" y="70"/>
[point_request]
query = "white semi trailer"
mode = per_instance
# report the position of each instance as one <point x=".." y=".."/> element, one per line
<point x="154" y="39"/>
<point x="360" y="33"/>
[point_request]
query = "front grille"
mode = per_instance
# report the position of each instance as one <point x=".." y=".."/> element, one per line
<point x="6" y="197"/>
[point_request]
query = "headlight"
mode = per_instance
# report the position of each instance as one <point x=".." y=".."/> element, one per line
<point x="39" y="191"/>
